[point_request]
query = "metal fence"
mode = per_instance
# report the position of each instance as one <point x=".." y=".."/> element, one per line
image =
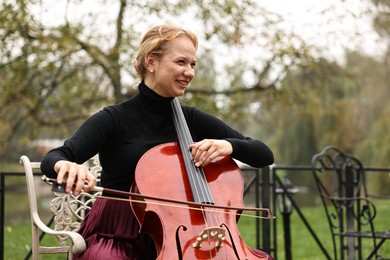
<point x="265" y="188"/>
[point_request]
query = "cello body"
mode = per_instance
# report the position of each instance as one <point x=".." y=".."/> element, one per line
<point x="180" y="232"/>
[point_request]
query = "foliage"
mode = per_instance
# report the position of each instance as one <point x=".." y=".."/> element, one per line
<point x="325" y="103"/>
<point x="57" y="72"/>
<point x="38" y="80"/>
<point x="252" y="74"/>
<point x="382" y="18"/>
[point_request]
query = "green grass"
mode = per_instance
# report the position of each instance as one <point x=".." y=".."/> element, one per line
<point x="303" y="244"/>
<point x="18" y="231"/>
<point x="18" y="236"/>
<point x="17" y="243"/>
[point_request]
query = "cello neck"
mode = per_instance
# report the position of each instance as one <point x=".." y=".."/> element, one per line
<point x="196" y="177"/>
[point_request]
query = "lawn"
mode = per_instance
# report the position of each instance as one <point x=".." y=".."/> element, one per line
<point x="304" y="245"/>
<point x="17" y="236"/>
<point x="18" y="231"/>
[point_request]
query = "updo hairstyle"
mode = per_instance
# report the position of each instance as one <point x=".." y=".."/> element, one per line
<point x="155" y="42"/>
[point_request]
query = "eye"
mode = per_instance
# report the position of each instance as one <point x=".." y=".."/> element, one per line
<point x="181" y="62"/>
<point x="193" y="65"/>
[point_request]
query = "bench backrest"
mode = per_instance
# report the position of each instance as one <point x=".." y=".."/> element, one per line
<point x="68" y="212"/>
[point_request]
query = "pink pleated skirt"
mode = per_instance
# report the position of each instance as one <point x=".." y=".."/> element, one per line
<point x="111" y="232"/>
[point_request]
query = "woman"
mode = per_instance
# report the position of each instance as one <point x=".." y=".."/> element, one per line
<point x="122" y="133"/>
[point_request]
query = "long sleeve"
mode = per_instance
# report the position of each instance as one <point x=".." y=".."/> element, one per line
<point x="85" y="143"/>
<point x="245" y="149"/>
<point x="122" y="133"/>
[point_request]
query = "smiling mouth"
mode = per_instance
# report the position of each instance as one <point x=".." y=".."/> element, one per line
<point x="183" y="83"/>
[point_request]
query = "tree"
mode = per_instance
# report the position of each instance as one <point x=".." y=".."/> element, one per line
<point x="55" y="74"/>
<point x="38" y="75"/>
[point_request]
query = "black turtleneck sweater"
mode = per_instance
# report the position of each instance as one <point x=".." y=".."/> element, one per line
<point x="122" y="133"/>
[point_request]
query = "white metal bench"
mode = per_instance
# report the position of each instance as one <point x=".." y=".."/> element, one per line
<point x="68" y="211"/>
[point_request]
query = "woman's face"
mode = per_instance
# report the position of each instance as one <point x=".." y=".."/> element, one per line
<point x="172" y="73"/>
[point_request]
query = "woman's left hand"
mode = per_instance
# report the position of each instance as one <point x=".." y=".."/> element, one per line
<point x="207" y="150"/>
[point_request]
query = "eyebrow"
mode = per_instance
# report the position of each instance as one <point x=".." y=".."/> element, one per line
<point x="184" y="57"/>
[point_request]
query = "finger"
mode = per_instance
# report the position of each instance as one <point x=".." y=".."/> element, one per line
<point x="205" y="156"/>
<point x="194" y="149"/>
<point x="85" y="180"/>
<point x="209" y="156"/>
<point x="200" y="156"/>
<point x="201" y="151"/>
<point x="62" y="172"/>
<point x="79" y="185"/>
<point x="91" y="181"/>
<point x="72" y="177"/>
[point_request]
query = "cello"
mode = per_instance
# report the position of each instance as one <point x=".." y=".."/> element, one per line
<point x="168" y="171"/>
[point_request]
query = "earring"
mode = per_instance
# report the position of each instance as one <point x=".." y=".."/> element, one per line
<point x="151" y="71"/>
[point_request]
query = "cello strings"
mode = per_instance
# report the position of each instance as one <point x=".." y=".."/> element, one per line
<point x="203" y="194"/>
<point x="188" y="208"/>
<point x="184" y="143"/>
<point x="192" y="171"/>
<point x="195" y="173"/>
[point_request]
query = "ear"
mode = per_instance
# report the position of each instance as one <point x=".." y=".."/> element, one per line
<point x="149" y="61"/>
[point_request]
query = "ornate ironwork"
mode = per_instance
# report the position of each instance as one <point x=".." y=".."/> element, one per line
<point x="340" y="180"/>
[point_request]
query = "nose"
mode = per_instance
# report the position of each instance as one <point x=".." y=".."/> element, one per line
<point x="189" y="72"/>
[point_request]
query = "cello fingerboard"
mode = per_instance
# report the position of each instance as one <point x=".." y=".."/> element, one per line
<point x="199" y="187"/>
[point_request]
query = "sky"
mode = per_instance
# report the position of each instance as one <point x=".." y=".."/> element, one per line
<point x="331" y="24"/>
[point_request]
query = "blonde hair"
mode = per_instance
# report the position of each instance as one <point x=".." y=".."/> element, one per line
<point x="155" y="42"/>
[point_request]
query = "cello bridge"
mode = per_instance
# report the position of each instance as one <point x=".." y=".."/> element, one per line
<point x="216" y="234"/>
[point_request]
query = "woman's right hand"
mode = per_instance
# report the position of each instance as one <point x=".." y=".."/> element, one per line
<point x="77" y="176"/>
